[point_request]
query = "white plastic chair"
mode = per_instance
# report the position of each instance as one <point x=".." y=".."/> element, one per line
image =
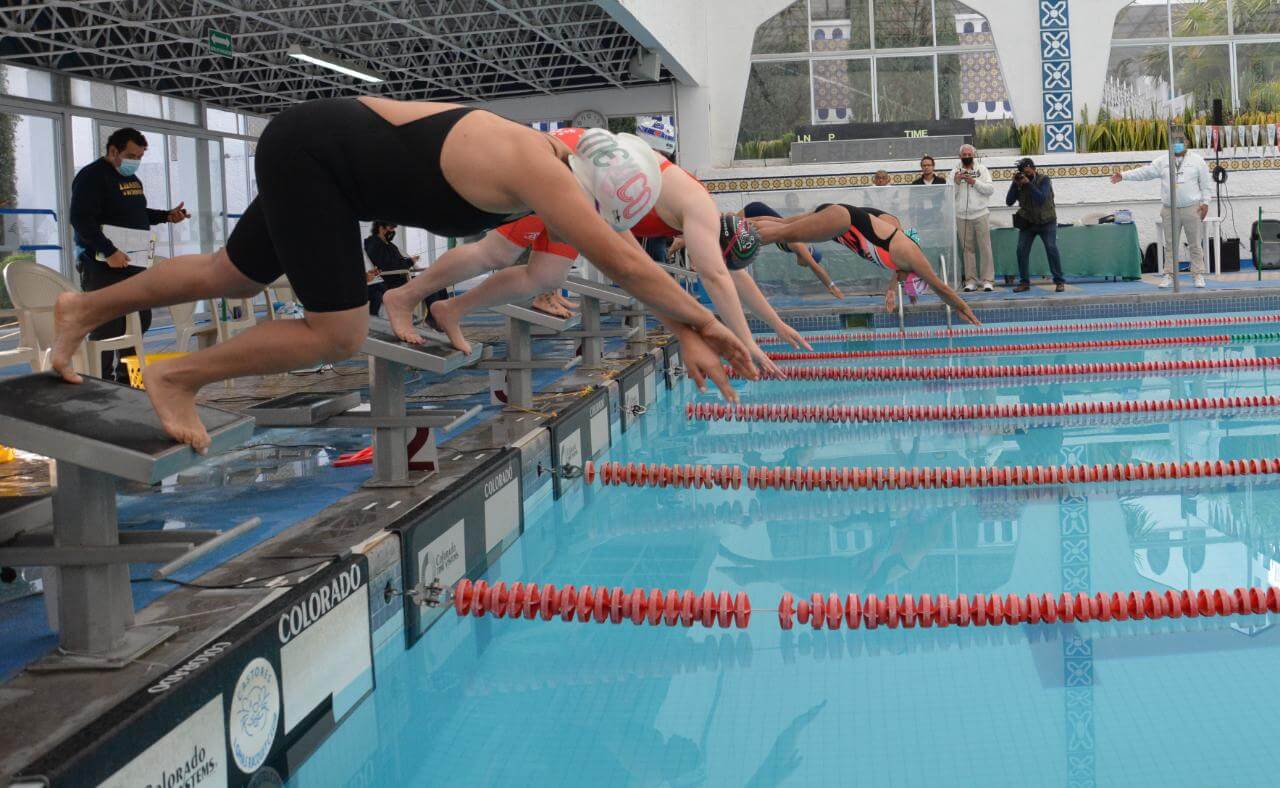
<point x="229" y="327"/>
<point x="279" y="292"/>
<point x="185" y="328"/>
<point x="33" y="289"/>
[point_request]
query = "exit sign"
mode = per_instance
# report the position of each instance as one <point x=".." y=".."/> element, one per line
<point x="220" y="43"/>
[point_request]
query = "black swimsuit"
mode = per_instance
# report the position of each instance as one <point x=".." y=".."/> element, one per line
<point x="323" y="167"/>
<point x="861" y="237"/>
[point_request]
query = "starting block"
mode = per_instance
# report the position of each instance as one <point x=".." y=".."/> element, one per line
<point x="404" y="446"/>
<point x="97" y="432"/>
<point x="592" y="296"/>
<point x="511" y="379"/>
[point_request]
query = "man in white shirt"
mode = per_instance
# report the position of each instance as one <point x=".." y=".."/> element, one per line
<point x="972" y="188"/>
<point x="1194" y="189"/>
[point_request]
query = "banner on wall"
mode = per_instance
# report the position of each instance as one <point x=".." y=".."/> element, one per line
<point x="246" y="707"/>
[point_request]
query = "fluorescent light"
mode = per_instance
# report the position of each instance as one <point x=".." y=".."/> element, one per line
<point x="341" y="66"/>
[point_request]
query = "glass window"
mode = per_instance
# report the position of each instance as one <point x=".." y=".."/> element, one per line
<point x="839" y="25"/>
<point x="1255" y="16"/>
<point x="26" y="82"/>
<point x="960" y="24"/>
<point x="1204" y="72"/>
<point x="904" y="23"/>
<point x="904" y="88"/>
<point x="777" y="101"/>
<point x="138" y="102"/>
<point x="1143" y="19"/>
<point x="98" y="95"/>
<point x="1199" y="17"/>
<point x="28" y="179"/>
<point x="84" y="148"/>
<point x="221" y="120"/>
<point x="1137" y="80"/>
<point x="236" y="159"/>
<point x="253" y="125"/>
<point x="784" y="32"/>
<point x="842" y="91"/>
<point x="180" y="110"/>
<point x="971" y="85"/>
<point x="1258" y="71"/>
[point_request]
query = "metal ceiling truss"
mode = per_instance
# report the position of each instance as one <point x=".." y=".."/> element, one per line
<point x="439" y="50"/>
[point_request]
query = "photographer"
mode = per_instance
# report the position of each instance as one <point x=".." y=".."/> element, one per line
<point x="1036" y="216"/>
<point x="973" y="187"/>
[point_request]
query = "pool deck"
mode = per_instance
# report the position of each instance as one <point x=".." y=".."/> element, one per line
<point x="276" y="473"/>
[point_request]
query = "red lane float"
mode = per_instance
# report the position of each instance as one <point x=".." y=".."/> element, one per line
<point x="546" y="601"/>
<point x="909" y="611"/>
<point x="1046" y="328"/>
<point x="707" y="411"/>
<point x="1022" y="371"/>
<point x="1034" y="347"/>
<point x="788" y="478"/>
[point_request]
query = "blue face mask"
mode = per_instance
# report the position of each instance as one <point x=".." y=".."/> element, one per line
<point x="129" y="166"/>
<point x="1179" y="148"/>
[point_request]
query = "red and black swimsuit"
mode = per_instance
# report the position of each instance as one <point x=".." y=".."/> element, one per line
<point x="861" y="237"/>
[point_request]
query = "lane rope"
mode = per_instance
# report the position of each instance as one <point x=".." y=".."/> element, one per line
<point x="1018" y="371"/>
<point x="617" y="474"/>
<point x="715" y="411"/>
<point x="1043" y="328"/>
<point x="601" y="604"/>
<point x="1032" y="347"/>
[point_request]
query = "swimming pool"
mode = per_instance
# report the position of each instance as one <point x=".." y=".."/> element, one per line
<point x="1174" y="701"/>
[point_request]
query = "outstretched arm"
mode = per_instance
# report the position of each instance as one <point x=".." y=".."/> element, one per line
<point x="757" y="303"/>
<point x="909" y="257"/>
<point x="805" y="258"/>
<point x="823" y="225"/>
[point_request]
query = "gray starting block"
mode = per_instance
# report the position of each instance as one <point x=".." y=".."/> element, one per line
<point x="592" y="296"/>
<point x="404" y="444"/>
<point x="516" y="370"/>
<point x="22" y="514"/>
<point x="98" y="432"/>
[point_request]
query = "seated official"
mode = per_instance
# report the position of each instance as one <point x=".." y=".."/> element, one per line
<point x="391" y="268"/>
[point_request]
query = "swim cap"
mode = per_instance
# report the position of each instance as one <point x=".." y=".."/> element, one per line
<point x="658" y="135"/>
<point x="619" y="173"/>
<point x="739" y="242"/>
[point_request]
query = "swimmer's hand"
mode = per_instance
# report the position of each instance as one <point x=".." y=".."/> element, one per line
<point x="793" y="338"/>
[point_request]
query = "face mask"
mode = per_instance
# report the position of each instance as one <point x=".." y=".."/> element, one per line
<point x="129" y="166"/>
<point x="967" y="161"/>
<point x="391" y="234"/>
<point x="1179" y="148"/>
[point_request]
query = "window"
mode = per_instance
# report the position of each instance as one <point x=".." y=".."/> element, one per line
<point x="842" y="91"/>
<point x="1258" y="75"/>
<point x="777" y="101"/>
<point x="1204" y="72"/>
<point x="785" y="32"/>
<point x="26" y="82"/>
<point x="1256" y="16"/>
<point x="180" y="110"/>
<point x="960" y="24"/>
<point x="904" y="88"/>
<point x="839" y="24"/>
<point x="1137" y="80"/>
<point x="904" y="23"/>
<point x="1144" y="19"/>
<point x="221" y="120"/>
<point x="1198" y="17"/>
<point x="137" y="102"/>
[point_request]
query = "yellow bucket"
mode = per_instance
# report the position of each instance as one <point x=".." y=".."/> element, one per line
<point x="135" y="369"/>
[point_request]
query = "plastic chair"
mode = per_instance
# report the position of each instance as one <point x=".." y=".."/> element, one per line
<point x="185" y="328"/>
<point x="279" y="292"/>
<point x="230" y="326"/>
<point x="33" y="289"/>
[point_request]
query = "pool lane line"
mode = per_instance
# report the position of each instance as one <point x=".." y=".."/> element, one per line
<point x="544" y="602"/>
<point x="888" y="478"/>
<point x="1033" y="347"/>
<point x="1045" y="328"/>
<point x="980" y="610"/>
<point x="708" y="411"/>
<point x="1019" y="371"/>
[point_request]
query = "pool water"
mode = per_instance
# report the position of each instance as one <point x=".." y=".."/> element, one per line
<point x="484" y="701"/>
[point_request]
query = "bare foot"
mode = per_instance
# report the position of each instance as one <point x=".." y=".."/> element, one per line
<point x="175" y="404"/>
<point x="69" y="330"/>
<point x="545" y="303"/>
<point x="448" y="319"/>
<point x="564" y="302"/>
<point x="400" y="314"/>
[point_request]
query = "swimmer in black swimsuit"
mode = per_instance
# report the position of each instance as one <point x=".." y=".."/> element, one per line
<point x="872" y="235"/>
<point x="324" y="166"/>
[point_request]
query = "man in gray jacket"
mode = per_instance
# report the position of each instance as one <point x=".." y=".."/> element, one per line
<point x="972" y="188"/>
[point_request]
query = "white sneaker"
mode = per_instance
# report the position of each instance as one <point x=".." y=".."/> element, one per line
<point x="988" y="287"/>
<point x="969" y="287"/>
<point x="1199" y="280"/>
<point x="1166" y="281"/>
